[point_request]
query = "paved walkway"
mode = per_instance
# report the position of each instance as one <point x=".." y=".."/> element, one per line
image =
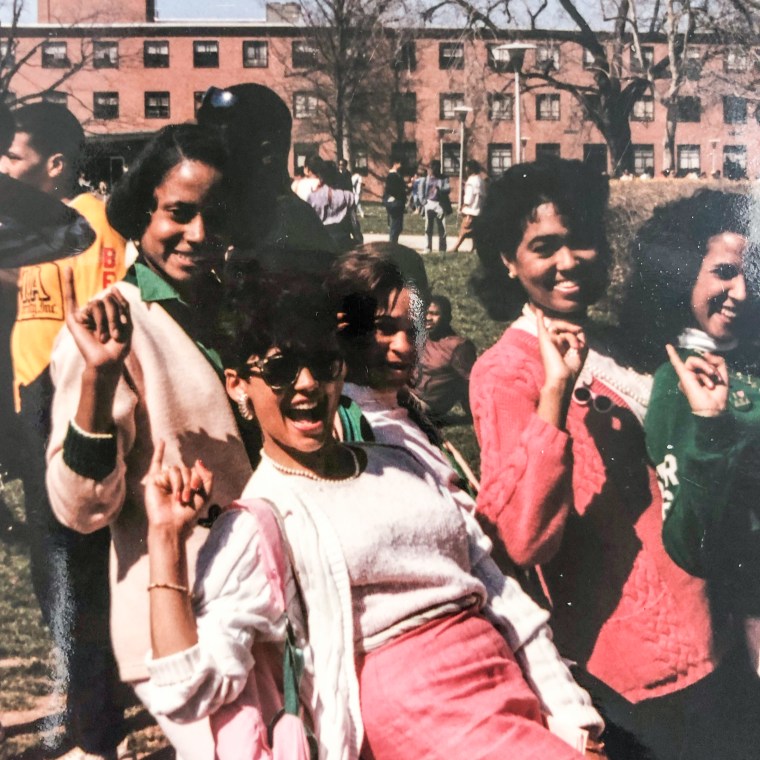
<point x="417" y="242"/>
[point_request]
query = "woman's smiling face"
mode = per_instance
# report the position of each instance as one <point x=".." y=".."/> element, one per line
<point x="561" y="275"/>
<point x="182" y="240"/>
<point x="297" y="419"/>
<point x="720" y="290"/>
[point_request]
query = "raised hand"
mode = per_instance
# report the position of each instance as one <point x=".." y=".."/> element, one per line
<point x="703" y="380"/>
<point x="174" y="495"/>
<point x="102" y="329"/>
<point x="563" y="350"/>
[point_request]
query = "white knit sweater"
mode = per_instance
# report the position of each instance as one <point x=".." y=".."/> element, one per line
<point x="231" y="612"/>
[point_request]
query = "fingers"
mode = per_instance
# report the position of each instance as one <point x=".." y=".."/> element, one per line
<point x="207" y="477"/>
<point x="677" y="362"/>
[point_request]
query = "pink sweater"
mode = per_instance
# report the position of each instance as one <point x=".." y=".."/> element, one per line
<point x="585" y="505"/>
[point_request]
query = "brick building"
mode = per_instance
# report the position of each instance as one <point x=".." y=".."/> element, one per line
<point x="134" y="73"/>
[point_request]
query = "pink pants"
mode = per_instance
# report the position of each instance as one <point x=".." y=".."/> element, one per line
<point x="451" y="689"/>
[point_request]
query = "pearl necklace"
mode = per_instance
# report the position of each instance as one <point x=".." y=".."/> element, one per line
<point x="313" y="475"/>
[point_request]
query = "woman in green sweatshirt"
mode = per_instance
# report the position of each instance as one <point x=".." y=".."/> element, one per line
<point x="703" y="422"/>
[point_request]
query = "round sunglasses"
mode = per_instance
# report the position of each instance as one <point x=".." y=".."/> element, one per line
<point x="280" y="371"/>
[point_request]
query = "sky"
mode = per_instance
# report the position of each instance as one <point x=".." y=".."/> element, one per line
<point x="253" y="10"/>
<point x="173" y="9"/>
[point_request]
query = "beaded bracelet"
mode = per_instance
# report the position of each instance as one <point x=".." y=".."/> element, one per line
<point x="171" y="586"/>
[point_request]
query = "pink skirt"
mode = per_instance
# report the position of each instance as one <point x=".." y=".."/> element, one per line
<point x="451" y="689"/>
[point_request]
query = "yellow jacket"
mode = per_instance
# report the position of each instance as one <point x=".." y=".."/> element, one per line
<point x="40" y="296"/>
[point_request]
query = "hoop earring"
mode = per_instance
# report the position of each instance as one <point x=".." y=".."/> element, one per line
<point x="244" y="406"/>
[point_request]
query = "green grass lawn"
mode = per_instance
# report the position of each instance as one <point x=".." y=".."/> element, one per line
<point x="26" y="663"/>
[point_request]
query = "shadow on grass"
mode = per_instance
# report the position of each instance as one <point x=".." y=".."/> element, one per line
<point x="135" y="723"/>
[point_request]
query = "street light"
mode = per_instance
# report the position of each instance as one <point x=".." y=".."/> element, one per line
<point x="516" y="52"/>
<point x="461" y="112"/>
<point x="442" y="132"/>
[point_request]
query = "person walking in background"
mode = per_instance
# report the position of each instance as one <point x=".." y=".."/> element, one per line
<point x="69" y="570"/>
<point x="357" y="181"/>
<point x="474" y="195"/>
<point x="343" y="180"/>
<point x="394" y="199"/>
<point x="304" y="186"/>
<point x="437" y="206"/>
<point x="445" y="363"/>
<point x="335" y="208"/>
<point x="417" y="195"/>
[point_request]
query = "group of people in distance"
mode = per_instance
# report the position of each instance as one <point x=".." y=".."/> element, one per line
<point x="236" y="366"/>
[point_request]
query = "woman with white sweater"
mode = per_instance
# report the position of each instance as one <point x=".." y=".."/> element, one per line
<point x="409" y="623"/>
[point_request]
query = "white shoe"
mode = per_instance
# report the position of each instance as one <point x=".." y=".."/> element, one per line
<point x="425" y="250"/>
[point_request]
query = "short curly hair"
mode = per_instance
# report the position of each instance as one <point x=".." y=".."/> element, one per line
<point x="579" y="194"/>
<point x="666" y="256"/>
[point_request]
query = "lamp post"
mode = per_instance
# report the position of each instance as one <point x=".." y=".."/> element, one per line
<point x="516" y="52"/>
<point x="442" y="132"/>
<point x="461" y="112"/>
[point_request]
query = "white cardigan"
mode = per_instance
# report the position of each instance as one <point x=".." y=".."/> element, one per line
<point x="233" y="603"/>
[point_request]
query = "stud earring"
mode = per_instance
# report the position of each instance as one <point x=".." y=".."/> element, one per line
<point x="244" y="405"/>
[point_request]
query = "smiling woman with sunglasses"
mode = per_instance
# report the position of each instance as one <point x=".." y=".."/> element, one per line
<point x="402" y="659"/>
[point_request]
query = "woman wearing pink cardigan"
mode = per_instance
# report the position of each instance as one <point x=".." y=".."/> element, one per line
<point x="566" y="479"/>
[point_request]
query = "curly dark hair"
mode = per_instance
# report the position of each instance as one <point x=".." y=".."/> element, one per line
<point x="666" y="257"/>
<point x="579" y="194"/>
<point x="262" y="309"/>
<point x="133" y="198"/>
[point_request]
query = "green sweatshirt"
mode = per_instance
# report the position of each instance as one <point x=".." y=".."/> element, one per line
<point x="708" y="469"/>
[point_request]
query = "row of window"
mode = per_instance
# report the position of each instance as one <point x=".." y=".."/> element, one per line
<point x="500" y="157"/>
<point x="105" y="54"/>
<point x="305" y="55"/>
<point x="688" y="108"/>
<point x="404" y="105"/>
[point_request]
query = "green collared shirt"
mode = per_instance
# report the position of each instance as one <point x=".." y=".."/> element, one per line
<point x="196" y="320"/>
<point x="95" y="456"/>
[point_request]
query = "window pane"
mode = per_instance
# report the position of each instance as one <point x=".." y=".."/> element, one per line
<point x="105" y="55"/>
<point x="206" y="55"/>
<point x="156" y="54"/>
<point x="157" y="105"/>
<point x="547" y="107"/>
<point x="500" y="106"/>
<point x="304" y="54"/>
<point x="643" y="159"/>
<point x="451" y="55"/>
<point x="449" y="102"/>
<point x="105" y="105"/>
<point x="55" y="55"/>
<point x="255" y="54"/>
<point x="405" y="58"/>
<point x="499" y="158"/>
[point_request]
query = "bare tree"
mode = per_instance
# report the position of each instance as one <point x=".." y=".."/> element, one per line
<point x="22" y="52"/>
<point x="612" y="43"/>
<point x="349" y="61"/>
